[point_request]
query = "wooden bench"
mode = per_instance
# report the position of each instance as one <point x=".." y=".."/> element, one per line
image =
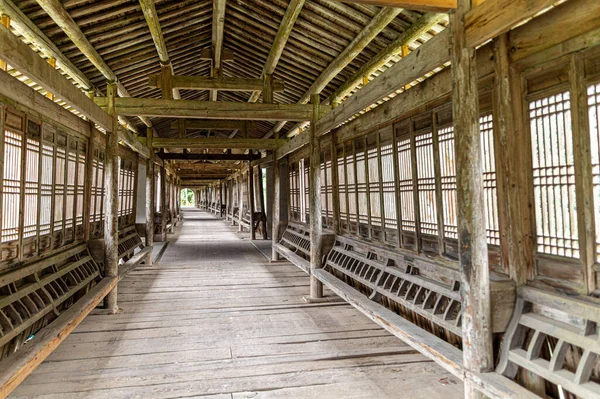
<point x="554" y="337"/>
<point x="33" y="296"/>
<point x="158" y="222"/>
<point x="129" y="241"/>
<point x="417" y="299"/>
<point x="295" y="245"/>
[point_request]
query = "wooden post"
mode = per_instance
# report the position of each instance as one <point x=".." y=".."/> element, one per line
<point x="261" y="200"/>
<point x="251" y="198"/>
<point x="268" y="89"/>
<point x="150" y="206"/>
<point x="276" y="182"/>
<point x="241" y="201"/>
<point x="111" y="200"/>
<point x="335" y="184"/>
<point x="163" y="203"/>
<point x="514" y="244"/>
<point x="221" y="198"/>
<point x="87" y="191"/>
<point x="473" y="254"/>
<point x="316" y="227"/>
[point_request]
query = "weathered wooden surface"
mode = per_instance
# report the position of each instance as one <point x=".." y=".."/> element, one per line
<point x="189" y="328"/>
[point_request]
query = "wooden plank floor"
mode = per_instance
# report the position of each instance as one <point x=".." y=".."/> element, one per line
<point x="213" y="319"/>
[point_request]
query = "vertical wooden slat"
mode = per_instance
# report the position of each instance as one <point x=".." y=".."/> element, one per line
<point x="89" y="173"/>
<point x="111" y="178"/>
<point x="415" y="176"/>
<point x="397" y="188"/>
<point x="316" y="287"/>
<point x="240" y="201"/>
<point x="381" y="196"/>
<point x="438" y="183"/>
<point x="473" y="256"/>
<point x="508" y="132"/>
<point x="583" y="174"/>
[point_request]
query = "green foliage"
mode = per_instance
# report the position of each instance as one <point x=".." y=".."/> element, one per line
<point x="187" y="197"/>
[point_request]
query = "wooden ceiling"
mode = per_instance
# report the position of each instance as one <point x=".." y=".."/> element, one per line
<point x="119" y="32"/>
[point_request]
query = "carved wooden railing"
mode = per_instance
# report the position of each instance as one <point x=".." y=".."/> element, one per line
<point x="34" y="295"/>
<point x="554" y="337"/>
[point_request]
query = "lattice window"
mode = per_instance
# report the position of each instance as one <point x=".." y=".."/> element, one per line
<point x="97" y="187"/>
<point x="361" y="188"/>
<point x="326" y="189"/>
<point x="294" y="189"/>
<point x="59" y="182"/>
<point x="374" y="186"/>
<point x="351" y="192"/>
<point x="46" y="207"/>
<point x="342" y="192"/>
<point x="426" y="183"/>
<point x="126" y="189"/>
<point x="448" y="180"/>
<point x="554" y="175"/>
<point x="11" y="184"/>
<point x="81" y="161"/>
<point x="71" y="183"/>
<point x="388" y="186"/>
<point x="594" y="118"/>
<point x="31" y="177"/>
<point x="405" y="181"/>
<point x="305" y="169"/>
<point x="490" y="191"/>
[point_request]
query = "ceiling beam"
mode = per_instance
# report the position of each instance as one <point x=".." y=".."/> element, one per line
<point x="362" y="40"/>
<point x="152" y="107"/>
<point x="226" y="143"/>
<point x="209" y="83"/>
<point x="209" y="157"/>
<point x="153" y="22"/>
<point x="416" y="30"/>
<point x="218" y="25"/>
<point x="285" y="29"/>
<point x="34" y="35"/>
<point x="213" y="124"/>
<point x="61" y="17"/>
<point x="421" y="5"/>
<point x="21" y="57"/>
<point x="205" y="166"/>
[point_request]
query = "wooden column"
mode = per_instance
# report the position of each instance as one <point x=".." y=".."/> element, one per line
<point x="163" y="203"/>
<point x="111" y="201"/>
<point x="241" y="201"/>
<point x="335" y="184"/>
<point x="261" y="200"/>
<point x="276" y="182"/>
<point x="473" y="254"/>
<point x="89" y="171"/>
<point x="221" y="199"/>
<point x="150" y="206"/>
<point x="314" y="181"/>
<point x="513" y="214"/>
<point x="251" y="198"/>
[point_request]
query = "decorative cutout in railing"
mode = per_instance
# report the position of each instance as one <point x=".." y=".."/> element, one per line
<point x="424" y="293"/>
<point x="32" y="296"/>
<point x="555" y="338"/>
<point x="129" y="240"/>
<point x="297" y="239"/>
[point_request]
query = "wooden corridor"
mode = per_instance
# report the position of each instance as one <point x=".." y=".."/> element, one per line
<point x="214" y="319"/>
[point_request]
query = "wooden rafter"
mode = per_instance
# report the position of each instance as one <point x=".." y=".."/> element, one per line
<point x="423" y="5"/>
<point x="217" y="41"/>
<point x="416" y="30"/>
<point x="209" y="157"/>
<point x="61" y="17"/>
<point x="153" y="22"/>
<point x="375" y="26"/>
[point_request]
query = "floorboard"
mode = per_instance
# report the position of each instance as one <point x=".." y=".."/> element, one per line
<point x="213" y="319"/>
